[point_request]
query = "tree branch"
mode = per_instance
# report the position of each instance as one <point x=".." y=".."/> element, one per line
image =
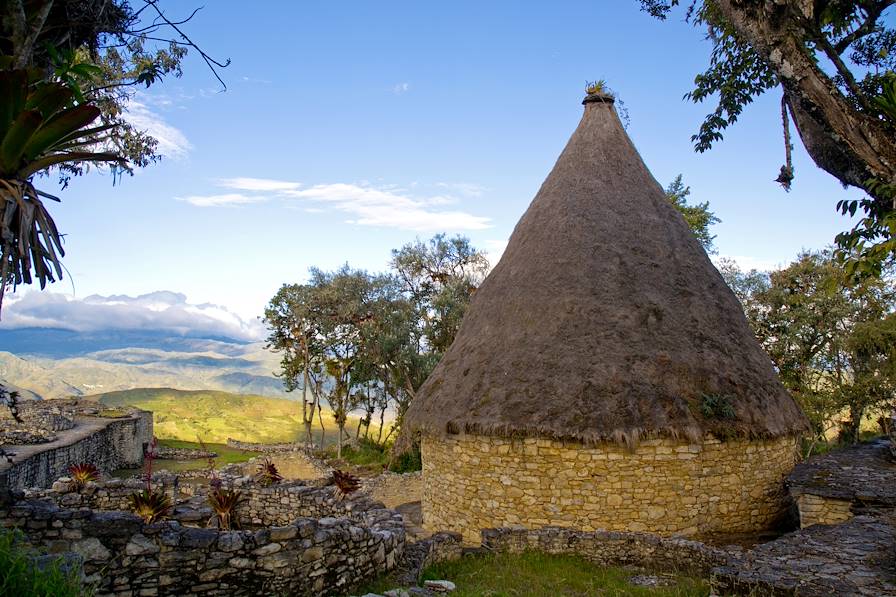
<point x="867" y="26"/>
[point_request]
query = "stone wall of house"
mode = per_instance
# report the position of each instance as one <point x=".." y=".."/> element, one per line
<point x="123" y="556"/>
<point x="816" y="509"/>
<point x="611" y="548"/>
<point x="116" y="443"/>
<point x="474" y="482"/>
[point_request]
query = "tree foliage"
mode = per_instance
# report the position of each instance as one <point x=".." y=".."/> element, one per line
<point x="834" y="62"/>
<point x="63" y="65"/>
<point x="698" y="216"/>
<point x="362" y="341"/>
<point x="833" y="344"/>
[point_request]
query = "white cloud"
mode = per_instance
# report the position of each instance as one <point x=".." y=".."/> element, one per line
<point x="221" y="200"/>
<point x="172" y="142"/>
<point x="748" y="263"/>
<point x="156" y="311"/>
<point x="257" y="184"/>
<point x="401" y="88"/>
<point x="389" y="208"/>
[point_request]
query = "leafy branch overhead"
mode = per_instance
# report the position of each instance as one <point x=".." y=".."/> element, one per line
<point x="68" y="69"/>
<point x="834" y="63"/>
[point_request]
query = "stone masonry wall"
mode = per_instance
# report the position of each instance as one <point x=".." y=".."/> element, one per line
<point x="122" y="556"/>
<point x="474" y="482"/>
<point x="609" y="548"/>
<point x="117" y="443"/>
<point x="821" y="510"/>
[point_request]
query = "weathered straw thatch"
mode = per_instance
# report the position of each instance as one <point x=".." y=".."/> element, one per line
<point x="604" y="320"/>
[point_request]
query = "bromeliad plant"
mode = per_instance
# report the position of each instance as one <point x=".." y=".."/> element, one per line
<point x="346" y="483"/>
<point x="224" y="502"/>
<point x="150" y="504"/>
<point x="267" y="473"/>
<point x="82" y="474"/>
<point x="41" y="126"/>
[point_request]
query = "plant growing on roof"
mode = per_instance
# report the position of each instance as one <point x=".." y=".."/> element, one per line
<point x="598" y="87"/>
<point x="82" y="474"/>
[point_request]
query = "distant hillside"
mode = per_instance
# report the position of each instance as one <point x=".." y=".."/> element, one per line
<point x="56" y="363"/>
<point x="59" y="344"/>
<point x="214" y="416"/>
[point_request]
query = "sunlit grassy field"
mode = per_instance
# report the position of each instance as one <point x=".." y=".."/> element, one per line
<point x="215" y="416"/>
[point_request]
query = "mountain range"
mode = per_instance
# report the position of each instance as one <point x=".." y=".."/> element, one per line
<point x="55" y="363"/>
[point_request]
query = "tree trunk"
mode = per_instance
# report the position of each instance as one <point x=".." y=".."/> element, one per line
<point x="379" y="437"/>
<point x="851" y="145"/>
<point x="323" y="430"/>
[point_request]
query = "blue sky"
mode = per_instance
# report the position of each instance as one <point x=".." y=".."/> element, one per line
<point x="351" y="128"/>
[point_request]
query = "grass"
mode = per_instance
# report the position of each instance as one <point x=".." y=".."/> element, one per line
<point x="20" y="577"/>
<point x="536" y="574"/>
<point x="215" y="416"/>
<point x="373" y="456"/>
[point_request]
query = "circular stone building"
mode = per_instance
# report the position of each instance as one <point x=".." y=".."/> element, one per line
<point x="604" y="376"/>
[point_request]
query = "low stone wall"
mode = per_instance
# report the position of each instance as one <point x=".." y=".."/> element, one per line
<point x="267" y="448"/>
<point x="394" y="489"/>
<point x="108" y="444"/>
<point x="474" y="482"/>
<point x="820" y="510"/>
<point x="123" y="556"/>
<point x="831" y="488"/>
<point x="608" y="548"/>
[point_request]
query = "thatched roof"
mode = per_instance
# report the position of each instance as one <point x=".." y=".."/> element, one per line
<point x="604" y="320"/>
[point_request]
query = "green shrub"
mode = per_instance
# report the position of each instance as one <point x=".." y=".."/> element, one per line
<point x="408" y="461"/>
<point x="19" y="575"/>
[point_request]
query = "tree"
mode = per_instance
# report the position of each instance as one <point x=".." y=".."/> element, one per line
<point x="439" y="277"/>
<point x="698" y="216"/>
<point x="82" y="60"/>
<point x="293" y="320"/>
<point x="833" y="344"/>
<point x="833" y="61"/>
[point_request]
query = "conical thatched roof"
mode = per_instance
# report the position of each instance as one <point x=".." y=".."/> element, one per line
<point x="604" y="320"/>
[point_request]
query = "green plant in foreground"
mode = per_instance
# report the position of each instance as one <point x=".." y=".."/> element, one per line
<point x="19" y="575"/>
<point x="267" y="473"/>
<point x="41" y="126"/>
<point x="82" y="474"/>
<point x="225" y="502"/>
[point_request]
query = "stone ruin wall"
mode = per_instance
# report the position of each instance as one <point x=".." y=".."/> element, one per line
<point x="610" y="548"/>
<point x="120" y="443"/>
<point x="123" y="556"/>
<point x="816" y="509"/>
<point x="475" y="482"/>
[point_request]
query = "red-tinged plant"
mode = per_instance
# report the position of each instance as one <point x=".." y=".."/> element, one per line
<point x="267" y="473"/>
<point x="346" y="483"/>
<point x="82" y="474"/>
<point x="225" y="502"/>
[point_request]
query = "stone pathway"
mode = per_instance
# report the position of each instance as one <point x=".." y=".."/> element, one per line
<point x="857" y="557"/>
<point x="863" y="474"/>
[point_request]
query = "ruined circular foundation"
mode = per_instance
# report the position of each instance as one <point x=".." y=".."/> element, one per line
<point x="473" y="482"/>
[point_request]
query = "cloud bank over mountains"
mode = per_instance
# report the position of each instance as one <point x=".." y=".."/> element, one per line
<point x="157" y="311"/>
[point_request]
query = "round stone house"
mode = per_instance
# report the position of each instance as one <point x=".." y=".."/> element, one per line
<point x="604" y="376"/>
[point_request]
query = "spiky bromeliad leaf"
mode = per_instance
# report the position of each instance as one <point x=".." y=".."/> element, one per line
<point x="346" y="483"/>
<point x="151" y="505"/>
<point x="39" y="128"/>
